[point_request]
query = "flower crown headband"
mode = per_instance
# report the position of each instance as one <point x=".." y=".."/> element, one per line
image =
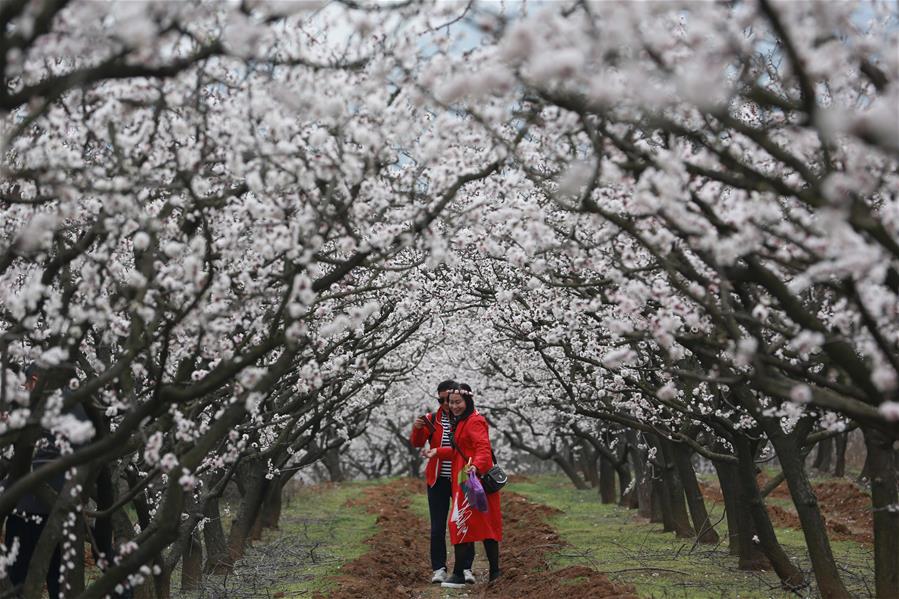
<point x="463" y="392"/>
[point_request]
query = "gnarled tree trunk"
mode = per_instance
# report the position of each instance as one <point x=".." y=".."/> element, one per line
<point x="824" y="455"/>
<point x="570" y="471"/>
<point x="673" y="490"/>
<point x="841" y="441"/>
<point x="830" y="585"/>
<point x="791" y="577"/>
<point x="705" y="531"/>
<point x="192" y="563"/>
<point x="331" y="461"/>
<point x="643" y="485"/>
<point x="881" y="465"/>
<point x="271" y="507"/>
<point x="606" y="480"/>
<point x="214" y="539"/>
<point x="740" y="529"/>
<point x="589" y="462"/>
<point x="252" y="477"/>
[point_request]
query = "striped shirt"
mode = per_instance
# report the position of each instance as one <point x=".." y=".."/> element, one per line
<point x="446" y="466"/>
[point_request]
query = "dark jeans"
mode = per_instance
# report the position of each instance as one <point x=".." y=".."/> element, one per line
<point x="29" y="532"/>
<point x="465" y="556"/>
<point x="438" y="505"/>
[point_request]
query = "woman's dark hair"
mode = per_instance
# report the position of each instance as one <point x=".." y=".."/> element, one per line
<point x="468" y="396"/>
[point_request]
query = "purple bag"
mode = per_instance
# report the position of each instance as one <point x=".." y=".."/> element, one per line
<point x="475" y="492"/>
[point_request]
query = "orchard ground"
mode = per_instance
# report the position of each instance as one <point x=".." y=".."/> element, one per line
<point x="369" y="539"/>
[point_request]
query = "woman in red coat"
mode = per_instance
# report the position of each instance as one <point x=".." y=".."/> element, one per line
<point x="467" y="525"/>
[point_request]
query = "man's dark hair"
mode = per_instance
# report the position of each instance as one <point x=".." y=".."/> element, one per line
<point x="447" y="385"/>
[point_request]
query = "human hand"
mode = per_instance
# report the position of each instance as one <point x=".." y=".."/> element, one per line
<point x="419" y="422"/>
<point x="428" y="453"/>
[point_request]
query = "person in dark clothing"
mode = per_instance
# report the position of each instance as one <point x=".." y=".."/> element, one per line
<point x="31" y="514"/>
<point x="27" y="529"/>
<point x="29" y="518"/>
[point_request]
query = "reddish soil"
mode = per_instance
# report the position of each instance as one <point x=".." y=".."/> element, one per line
<point x="528" y="541"/>
<point x="396" y="563"/>
<point x="845" y="507"/>
<point x="780" y="491"/>
<point x="711" y="493"/>
<point x="782" y="518"/>
<point x="393" y="564"/>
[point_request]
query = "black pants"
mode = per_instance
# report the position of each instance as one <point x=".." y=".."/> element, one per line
<point x="438" y="505"/>
<point x="465" y="556"/>
<point x="28" y="533"/>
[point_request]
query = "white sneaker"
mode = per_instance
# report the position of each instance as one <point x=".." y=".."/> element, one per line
<point x="469" y="576"/>
<point x="439" y="576"/>
<point x="454" y="581"/>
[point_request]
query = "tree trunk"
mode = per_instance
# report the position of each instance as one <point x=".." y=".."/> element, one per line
<point x="791" y="577"/>
<point x="674" y="491"/>
<point x="739" y="523"/>
<point x="830" y="586"/>
<point x="628" y="496"/>
<point x="146" y="590"/>
<point x="52" y="534"/>
<point x="331" y="460"/>
<point x="661" y="507"/>
<point x="606" y="480"/>
<point x="823" y="455"/>
<point x="122" y="527"/>
<point x="881" y="464"/>
<point x="192" y="564"/>
<point x="256" y="529"/>
<point x="570" y="471"/>
<point x="252" y="475"/>
<point x="163" y="584"/>
<point x="645" y="497"/>
<point x="271" y="508"/>
<point x="644" y="483"/>
<point x="75" y="576"/>
<point x="865" y="475"/>
<point x="214" y="538"/>
<point x="413" y="462"/>
<point x="589" y="464"/>
<point x="705" y="532"/>
<point x="841" y="441"/>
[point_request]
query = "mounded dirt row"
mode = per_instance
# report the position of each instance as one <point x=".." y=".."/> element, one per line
<point x="846" y="509"/>
<point x="396" y="563"/>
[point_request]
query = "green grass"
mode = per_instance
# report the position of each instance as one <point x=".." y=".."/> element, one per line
<point x="610" y="539"/>
<point x="318" y="534"/>
<point x="419" y="504"/>
<point x="335" y="532"/>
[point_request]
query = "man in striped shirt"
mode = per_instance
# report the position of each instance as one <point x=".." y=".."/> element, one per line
<point x="434" y="428"/>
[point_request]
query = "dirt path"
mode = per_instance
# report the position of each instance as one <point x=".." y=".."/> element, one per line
<point x="396" y="564"/>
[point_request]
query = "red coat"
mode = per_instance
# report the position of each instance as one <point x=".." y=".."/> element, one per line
<point x="467" y="524"/>
<point x="423" y="434"/>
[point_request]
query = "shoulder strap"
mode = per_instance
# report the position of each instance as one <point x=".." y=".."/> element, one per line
<point x="455" y="445"/>
<point x="462" y="453"/>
